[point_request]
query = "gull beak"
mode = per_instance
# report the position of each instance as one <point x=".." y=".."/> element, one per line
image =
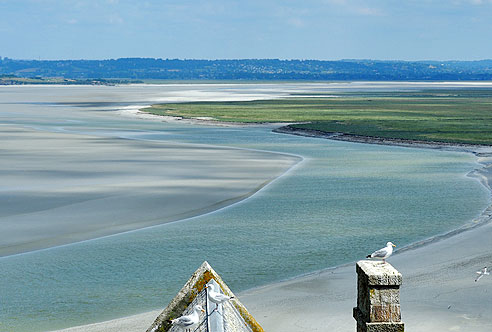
<point x="394" y="245"/>
<point x="203" y="310"/>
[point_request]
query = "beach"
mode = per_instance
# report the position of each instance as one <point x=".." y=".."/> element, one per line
<point x="438" y="290"/>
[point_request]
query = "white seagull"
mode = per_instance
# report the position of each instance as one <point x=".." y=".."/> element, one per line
<point x="189" y="322"/>
<point x="216" y="297"/>
<point x="481" y="273"/>
<point x="383" y="253"/>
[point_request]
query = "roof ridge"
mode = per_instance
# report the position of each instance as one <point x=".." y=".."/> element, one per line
<point x="193" y="287"/>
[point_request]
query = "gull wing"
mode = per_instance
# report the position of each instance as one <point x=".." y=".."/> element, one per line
<point x="222" y="297"/>
<point x="380" y="253"/>
<point x="185" y="321"/>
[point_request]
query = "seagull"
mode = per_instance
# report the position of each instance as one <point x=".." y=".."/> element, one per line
<point x="383" y="253"/>
<point x="216" y="297"/>
<point x="482" y="273"/>
<point x="188" y="322"/>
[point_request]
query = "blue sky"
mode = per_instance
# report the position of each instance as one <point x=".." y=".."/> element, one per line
<point x="230" y="29"/>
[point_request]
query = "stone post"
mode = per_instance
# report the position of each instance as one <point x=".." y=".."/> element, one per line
<point x="378" y="297"/>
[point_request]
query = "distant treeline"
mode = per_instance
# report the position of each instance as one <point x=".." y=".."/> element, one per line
<point x="248" y="69"/>
<point x="17" y="80"/>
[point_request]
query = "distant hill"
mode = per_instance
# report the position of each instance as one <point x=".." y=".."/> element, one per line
<point x="248" y="69"/>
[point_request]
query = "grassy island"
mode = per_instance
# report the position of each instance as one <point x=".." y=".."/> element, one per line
<point x="456" y="116"/>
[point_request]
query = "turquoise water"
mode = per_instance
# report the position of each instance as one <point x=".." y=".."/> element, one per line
<point x="341" y="202"/>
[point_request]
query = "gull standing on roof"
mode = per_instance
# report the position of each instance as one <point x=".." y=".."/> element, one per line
<point x="216" y="297"/>
<point x="481" y="273"/>
<point x="189" y="322"/>
<point x="383" y="253"/>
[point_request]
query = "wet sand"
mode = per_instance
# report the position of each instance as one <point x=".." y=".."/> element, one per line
<point x="438" y="292"/>
<point x="62" y="188"/>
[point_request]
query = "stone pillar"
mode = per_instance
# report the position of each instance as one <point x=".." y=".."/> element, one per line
<point x="378" y="297"/>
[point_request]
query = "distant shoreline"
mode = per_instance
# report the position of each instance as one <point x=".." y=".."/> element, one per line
<point x="253" y="69"/>
<point x="450" y="146"/>
<point x="9" y="80"/>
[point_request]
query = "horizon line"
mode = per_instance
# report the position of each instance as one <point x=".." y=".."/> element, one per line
<point x="246" y="59"/>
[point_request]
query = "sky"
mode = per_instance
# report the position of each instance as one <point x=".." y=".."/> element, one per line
<point x="244" y="29"/>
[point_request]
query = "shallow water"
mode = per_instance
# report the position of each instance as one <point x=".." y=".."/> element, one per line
<point x="343" y="201"/>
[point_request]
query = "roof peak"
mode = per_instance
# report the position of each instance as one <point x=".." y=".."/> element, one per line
<point x="194" y="292"/>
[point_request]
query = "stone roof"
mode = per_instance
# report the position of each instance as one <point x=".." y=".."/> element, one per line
<point x="232" y="316"/>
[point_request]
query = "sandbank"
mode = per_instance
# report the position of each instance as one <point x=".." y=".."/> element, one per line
<point x="139" y="113"/>
<point x="62" y="188"/>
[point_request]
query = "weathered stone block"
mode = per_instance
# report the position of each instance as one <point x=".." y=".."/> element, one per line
<point x="376" y="273"/>
<point x="378" y="314"/>
<point x="385" y="313"/>
<point x="378" y="298"/>
<point x="384" y="296"/>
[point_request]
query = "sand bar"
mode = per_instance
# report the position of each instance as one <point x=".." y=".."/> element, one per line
<point x="63" y="188"/>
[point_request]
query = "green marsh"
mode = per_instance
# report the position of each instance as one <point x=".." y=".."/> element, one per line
<point x="459" y="116"/>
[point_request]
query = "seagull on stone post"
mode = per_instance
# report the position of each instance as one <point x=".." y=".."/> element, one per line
<point x="383" y="253"/>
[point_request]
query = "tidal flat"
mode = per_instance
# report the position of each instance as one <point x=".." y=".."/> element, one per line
<point x="343" y="200"/>
<point x="61" y="188"/>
